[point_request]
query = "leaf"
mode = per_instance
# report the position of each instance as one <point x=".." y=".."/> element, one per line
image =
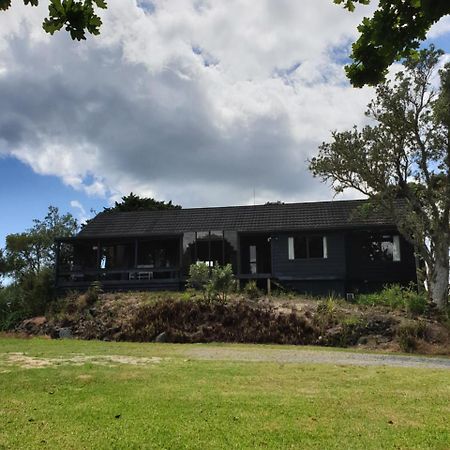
<point x="101" y="4"/>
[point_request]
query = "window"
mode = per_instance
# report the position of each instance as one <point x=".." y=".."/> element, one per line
<point x="383" y="247"/>
<point x="303" y="247"/>
<point x="253" y="261"/>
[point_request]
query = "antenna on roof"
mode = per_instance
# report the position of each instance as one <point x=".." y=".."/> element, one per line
<point x="254" y="196"/>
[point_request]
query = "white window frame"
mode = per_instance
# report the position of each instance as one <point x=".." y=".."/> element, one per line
<point x="396" y="253"/>
<point x="291" y="252"/>
<point x="325" y="247"/>
<point x="291" y="249"/>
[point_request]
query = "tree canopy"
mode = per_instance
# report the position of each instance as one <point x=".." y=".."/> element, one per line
<point x="392" y="33"/>
<point x="78" y="17"/>
<point x="34" y="250"/>
<point x="133" y="202"/>
<point x="405" y="155"/>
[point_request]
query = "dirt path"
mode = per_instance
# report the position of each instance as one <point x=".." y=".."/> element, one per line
<point x="318" y="356"/>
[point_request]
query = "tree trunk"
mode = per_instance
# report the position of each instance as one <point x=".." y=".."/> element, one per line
<point x="439" y="275"/>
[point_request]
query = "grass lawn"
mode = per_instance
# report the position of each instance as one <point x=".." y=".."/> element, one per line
<point x="177" y="402"/>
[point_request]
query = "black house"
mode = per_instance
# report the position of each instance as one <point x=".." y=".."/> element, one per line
<point x="317" y="248"/>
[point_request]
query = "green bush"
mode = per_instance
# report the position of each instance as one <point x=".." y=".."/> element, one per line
<point x="93" y="292"/>
<point x="215" y="283"/>
<point x="198" y="278"/>
<point x="396" y="296"/>
<point x="222" y="282"/>
<point x="325" y="314"/>
<point x="408" y="335"/>
<point x="251" y="290"/>
<point x="29" y="298"/>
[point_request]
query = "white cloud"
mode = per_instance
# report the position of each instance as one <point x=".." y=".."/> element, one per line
<point x="81" y="214"/>
<point x="439" y="28"/>
<point x="196" y="101"/>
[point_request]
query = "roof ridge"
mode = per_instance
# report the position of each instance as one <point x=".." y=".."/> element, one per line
<point x="267" y="205"/>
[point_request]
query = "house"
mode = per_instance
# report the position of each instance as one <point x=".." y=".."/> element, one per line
<point x="314" y="247"/>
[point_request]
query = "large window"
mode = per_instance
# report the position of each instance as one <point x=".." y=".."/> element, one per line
<point x="158" y="254"/>
<point x="382" y="247"/>
<point x="211" y="247"/>
<point x="116" y="256"/>
<point x="305" y="247"/>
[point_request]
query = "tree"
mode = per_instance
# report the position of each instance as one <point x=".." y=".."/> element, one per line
<point x="404" y="156"/>
<point x="78" y="17"/>
<point x="34" y="250"/>
<point x="133" y="202"/>
<point x="28" y="259"/>
<point x="394" y="32"/>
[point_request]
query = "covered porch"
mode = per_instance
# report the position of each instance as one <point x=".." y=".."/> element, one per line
<point x="119" y="263"/>
<point x="158" y="262"/>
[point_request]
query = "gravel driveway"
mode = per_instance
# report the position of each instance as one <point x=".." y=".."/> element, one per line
<point x="298" y="356"/>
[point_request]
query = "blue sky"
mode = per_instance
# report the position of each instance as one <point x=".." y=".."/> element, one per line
<point x="25" y="195"/>
<point x="141" y="109"/>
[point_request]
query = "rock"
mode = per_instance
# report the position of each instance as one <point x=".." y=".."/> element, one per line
<point x="363" y="340"/>
<point x="65" y="333"/>
<point x="162" y="337"/>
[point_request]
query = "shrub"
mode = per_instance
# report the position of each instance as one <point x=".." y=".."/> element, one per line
<point x="234" y="321"/>
<point x="396" y="296"/>
<point x="222" y="282"/>
<point x="325" y="313"/>
<point x="26" y="299"/>
<point x="198" y="278"/>
<point x="415" y="303"/>
<point x="93" y="292"/>
<point x="251" y="290"/>
<point x="408" y="335"/>
<point x="216" y="282"/>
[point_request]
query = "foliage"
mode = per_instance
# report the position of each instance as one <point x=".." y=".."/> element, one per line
<point x="33" y="250"/>
<point x="133" y="202"/>
<point x="402" y="162"/>
<point x="92" y="294"/>
<point x="198" y="278"/>
<point x="251" y="290"/>
<point x="78" y="17"/>
<point x="325" y="314"/>
<point x="28" y="259"/>
<point x="408" y="335"/>
<point x="29" y="298"/>
<point x="396" y="296"/>
<point x="393" y="32"/>
<point x="233" y="321"/>
<point x="222" y="281"/>
<point x="215" y="282"/>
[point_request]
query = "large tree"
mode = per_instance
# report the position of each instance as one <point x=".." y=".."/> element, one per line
<point x="403" y="159"/>
<point x="392" y="33"/>
<point x="133" y="202"/>
<point x="30" y="252"/>
<point x="77" y="17"/>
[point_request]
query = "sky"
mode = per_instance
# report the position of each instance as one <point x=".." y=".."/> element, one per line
<point x="202" y="102"/>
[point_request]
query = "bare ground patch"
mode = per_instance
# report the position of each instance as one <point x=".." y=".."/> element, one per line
<point x="32" y="362"/>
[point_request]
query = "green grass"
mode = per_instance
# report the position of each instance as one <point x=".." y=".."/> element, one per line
<point x="183" y="403"/>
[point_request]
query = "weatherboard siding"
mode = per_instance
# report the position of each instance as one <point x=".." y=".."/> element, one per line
<point x="332" y="267"/>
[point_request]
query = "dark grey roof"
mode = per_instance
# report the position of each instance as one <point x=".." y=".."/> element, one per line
<point x="271" y="217"/>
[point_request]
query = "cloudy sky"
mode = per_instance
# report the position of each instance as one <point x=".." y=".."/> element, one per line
<point x="202" y="102"/>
